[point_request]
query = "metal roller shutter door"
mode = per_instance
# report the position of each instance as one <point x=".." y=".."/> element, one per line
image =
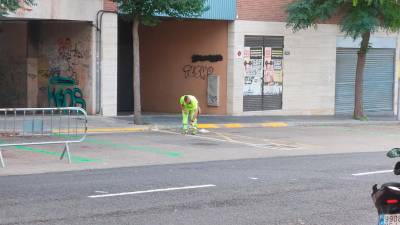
<point x="252" y="103"/>
<point x="378" y="81"/>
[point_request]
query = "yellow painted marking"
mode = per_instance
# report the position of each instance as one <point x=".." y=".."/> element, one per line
<point x="208" y="126"/>
<point x="233" y="125"/>
<point x="100" y="130"/>
<point x="115" y="129"/>
<point x="275" y="124"/>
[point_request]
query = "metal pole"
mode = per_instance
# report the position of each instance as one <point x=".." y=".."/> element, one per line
<point x="398" y="98"/>
<point x="76" y="124"/>
<point x="5" y="120"/>
<point x="14" y="132"/>
<point x="15" y="118"/>
<point x="23" y="125"/>
<point x="2" y="160"/>
<point x="69" y="121"/>
<point x="43" y="123"/>
<point x="66" y="151"/>
<point x="51" y="122"/>
<point x="59" y="125"/>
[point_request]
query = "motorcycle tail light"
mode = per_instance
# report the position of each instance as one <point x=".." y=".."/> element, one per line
<point x="392" y="201"/>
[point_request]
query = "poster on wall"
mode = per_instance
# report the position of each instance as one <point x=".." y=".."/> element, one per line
<point x="273" y="75"/>
<point x="253" y="63"/>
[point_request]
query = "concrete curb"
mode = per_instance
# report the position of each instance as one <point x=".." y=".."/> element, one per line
<point x="239" y="125"/>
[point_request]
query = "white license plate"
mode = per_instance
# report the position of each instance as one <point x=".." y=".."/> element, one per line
<point x="389" y="219"/>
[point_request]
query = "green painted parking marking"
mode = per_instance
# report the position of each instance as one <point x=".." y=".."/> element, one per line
<point x="74" y="159"/>
<point x="172" y="154"/>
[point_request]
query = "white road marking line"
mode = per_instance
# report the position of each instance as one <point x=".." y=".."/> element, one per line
<point x="101" y="192"/>
<point x="152" y="191"/>
<point x="216" y="139"/>
<point x="224" y="136"/>
<point x="269" y="141"/>
<point x="270" y="145"/>
<point x="253" y="178"/>
<point x="373" y="172"/>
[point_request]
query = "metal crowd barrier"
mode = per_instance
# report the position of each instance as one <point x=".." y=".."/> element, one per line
<point x="42" y="126"/>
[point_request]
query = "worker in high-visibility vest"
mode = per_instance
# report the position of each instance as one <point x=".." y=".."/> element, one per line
<point x="190" y="109"/>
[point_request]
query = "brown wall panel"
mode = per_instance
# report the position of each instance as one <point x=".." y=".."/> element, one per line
<point x="166" y="52"/>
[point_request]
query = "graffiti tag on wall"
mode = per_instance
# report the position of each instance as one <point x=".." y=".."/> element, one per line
<point x="64" y="92"/>
<point x="212" y="99"/>
<point x="209" y="58"/>
<point x="71" y="54"/>
<point x="197" y="71"/>
<point x="47" y="73"/>
<point x="63" y="73"/>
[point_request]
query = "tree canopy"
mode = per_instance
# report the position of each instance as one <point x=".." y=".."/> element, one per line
<point x="7" y="6"/>
<point x="149" y="11"/>
<point x="356" y="19"/>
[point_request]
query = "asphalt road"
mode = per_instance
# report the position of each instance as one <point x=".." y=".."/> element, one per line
<point x="315" y="189"/>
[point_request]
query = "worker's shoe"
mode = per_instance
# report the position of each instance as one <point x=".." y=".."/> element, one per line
<point x="193" y="131"/>
<point x="185" y="131"/>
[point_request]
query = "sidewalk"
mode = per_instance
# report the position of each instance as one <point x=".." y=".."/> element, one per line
<point x="125" y="123"/>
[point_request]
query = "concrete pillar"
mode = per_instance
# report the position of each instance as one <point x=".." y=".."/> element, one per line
<point x="397" y="81"/>
<point x="235" y="71"/>
<point x="32" y="64"/>
<point x="109" y="64"/>
<point x="32" y="82"/>
<point x="95" y="100"/>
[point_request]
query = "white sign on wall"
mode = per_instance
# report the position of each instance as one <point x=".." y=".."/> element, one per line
<point x="213" y="90"/>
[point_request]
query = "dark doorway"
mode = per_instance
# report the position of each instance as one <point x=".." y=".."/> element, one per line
<point x="125" y="66"/>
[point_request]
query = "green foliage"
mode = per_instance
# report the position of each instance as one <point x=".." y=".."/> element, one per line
<point x="355" y="2"/>
<point x="303" y="14"/>
<point x="7" y="6"/>
<point x="148" y="11"/>
<point x="356" y="16"/>
<point x="361" y="118"/>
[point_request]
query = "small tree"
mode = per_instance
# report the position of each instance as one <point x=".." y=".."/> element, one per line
<point x="147" y="12"/>
<point x="7" y="6"/>
<point x="359" y="18"/>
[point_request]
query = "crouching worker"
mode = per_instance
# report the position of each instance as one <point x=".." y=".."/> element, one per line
<point x="190" y="110"/>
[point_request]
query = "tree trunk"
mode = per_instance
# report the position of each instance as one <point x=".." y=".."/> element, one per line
<point x="136" y="73"/>
<point x="362" y="54"/>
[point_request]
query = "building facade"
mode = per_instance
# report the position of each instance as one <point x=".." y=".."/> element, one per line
<point x="79" y="53"/>
<point x="273" y="71"/>
<point x="59" y="53"/>
<point x="238" y="58"/>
